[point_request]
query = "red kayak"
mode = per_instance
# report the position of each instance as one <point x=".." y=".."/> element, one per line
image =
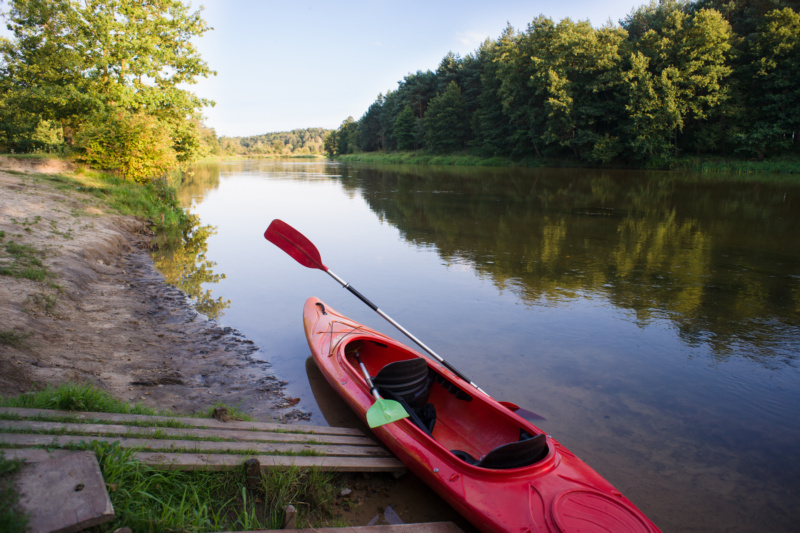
<point x="495" y="468"/>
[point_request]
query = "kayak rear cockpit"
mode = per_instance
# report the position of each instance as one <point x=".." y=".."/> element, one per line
<point x="461" y="420"/>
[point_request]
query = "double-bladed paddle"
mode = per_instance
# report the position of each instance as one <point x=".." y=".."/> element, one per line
<point x="304" y="252"/>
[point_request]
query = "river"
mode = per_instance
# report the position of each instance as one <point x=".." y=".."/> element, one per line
<point x="652" y="318"/>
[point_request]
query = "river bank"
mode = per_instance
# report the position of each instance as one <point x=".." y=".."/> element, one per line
<point x="81" y="301"/>
<point x="711" y="165"/>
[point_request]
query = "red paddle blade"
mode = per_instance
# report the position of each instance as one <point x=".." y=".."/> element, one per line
<point x="295" y="244"/>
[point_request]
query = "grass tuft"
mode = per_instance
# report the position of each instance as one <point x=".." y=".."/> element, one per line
<point x="11" y="520"/>
<point x="10" y="337"/>
<point x="75" y="397"/>
<point x="232" y="411"/>
<point x="23" y="261"/>
<point x="146" y="499"/>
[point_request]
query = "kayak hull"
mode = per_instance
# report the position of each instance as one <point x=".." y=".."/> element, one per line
<point x="556" y="493"/>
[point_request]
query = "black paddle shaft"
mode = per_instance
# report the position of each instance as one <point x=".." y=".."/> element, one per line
<point x="402" y="329"/>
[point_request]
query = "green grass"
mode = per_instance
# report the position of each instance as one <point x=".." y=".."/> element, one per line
<point x="23" y="261"/>
<point x="75" y="397"/>
<point x="10" y="337"/>
<point x="421" y="158"/>
<point x="11" y="520"/>
<point x="44" y="301"/>
<point x="146" y="499"/>
<point x="156" y="202"/>
<point x="776" y="165"/>
<point x="233" y="411"/>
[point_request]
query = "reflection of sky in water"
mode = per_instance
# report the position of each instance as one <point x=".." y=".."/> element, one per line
<point x="697" y="439"/>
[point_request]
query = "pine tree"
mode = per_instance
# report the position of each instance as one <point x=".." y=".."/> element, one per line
<point x="445" y="123"/>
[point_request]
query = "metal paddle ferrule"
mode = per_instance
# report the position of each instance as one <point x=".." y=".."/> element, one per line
<point x="372" y="389"/>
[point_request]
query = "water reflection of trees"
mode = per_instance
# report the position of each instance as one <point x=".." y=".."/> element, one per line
<point x="718" y="259"/>
<point x="181" y="258"/>
<point x="196" y="181"/>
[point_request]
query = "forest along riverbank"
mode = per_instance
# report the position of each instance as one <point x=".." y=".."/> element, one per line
<point x="80" y="300"/>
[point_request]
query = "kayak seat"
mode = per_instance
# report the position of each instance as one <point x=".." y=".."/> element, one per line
<point x="409" y="379"/>
<point x="511" y="455"/>
<point x="424" y="416"/>
<point x="408" y="382"/>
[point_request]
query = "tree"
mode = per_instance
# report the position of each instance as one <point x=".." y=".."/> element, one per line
<point x="330" y="144"/>
<point x="489" y="124"/>
<point x="405" y="129"/>
<point x="517" y="88"/>
<point x="135" y="145"/>
<point x="370" y="130"/>
<point x="445" y="123"/>
<point x="73" y="61"/>
<point x="772" y="88"/>
<point x="651" y="110"/>
<point x="688" y="56"/>
<point x="347" y="137"/>
<point x="577" y="81"/>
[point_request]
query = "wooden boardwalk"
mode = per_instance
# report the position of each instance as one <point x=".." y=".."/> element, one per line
<point x="193" y="443"/>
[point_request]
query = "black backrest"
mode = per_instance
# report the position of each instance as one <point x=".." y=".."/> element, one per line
<point x="408" y="379"/>
<point x="516" y="454"/>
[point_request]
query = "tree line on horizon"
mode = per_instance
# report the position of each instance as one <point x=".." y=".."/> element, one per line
<point x="105" y="82"/>
<point x="675" y="77"/>
<point x="304" y="141"/>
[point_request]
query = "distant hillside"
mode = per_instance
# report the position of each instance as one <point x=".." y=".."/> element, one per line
<point x="295" y="142"/>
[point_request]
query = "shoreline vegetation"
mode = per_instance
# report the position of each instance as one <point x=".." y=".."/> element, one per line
<point x="778" y="165"/>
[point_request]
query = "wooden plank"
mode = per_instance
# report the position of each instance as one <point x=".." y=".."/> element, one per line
<point x="33" y="455"/>
<point x="206" y="423"/>
<point x="187" y="461"/>
<point x="30" y="439"/>
<point x="216" y="461"/>
<point x="238" y="435"/>
<point x="66" y="494"/>
<point x="425" y="527"/>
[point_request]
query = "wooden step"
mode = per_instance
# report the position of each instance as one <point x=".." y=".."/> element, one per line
<point x="205" y="423"/>
<point x="206" y="444"/>
<point x="423" y="527"/>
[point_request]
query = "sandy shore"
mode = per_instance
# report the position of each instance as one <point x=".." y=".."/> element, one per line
<point x="106" y="316"/>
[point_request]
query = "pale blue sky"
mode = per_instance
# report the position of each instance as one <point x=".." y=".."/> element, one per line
<point x="311" y="63"/>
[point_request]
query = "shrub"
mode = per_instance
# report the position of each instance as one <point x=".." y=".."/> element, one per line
<point x="134" y="145"/>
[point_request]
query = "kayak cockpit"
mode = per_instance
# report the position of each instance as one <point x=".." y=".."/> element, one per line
<point x="479" y="432"/>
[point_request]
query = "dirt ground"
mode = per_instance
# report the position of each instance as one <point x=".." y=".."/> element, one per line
<point x="106" y="316"/>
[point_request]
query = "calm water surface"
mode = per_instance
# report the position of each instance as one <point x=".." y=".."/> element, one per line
<point x="652" y="318"/>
